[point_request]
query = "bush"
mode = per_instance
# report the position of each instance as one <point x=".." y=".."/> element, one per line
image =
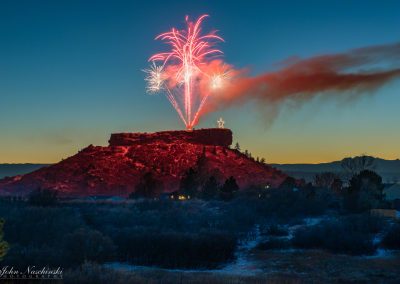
<point x="88" y="245"/>
<point x="274" y="243"/>
<point x="276" y="230"/>
<point x="339" y="236"/>
<point x="21" y="257"/>
<point x="172" y="250"/>
<point x="391" y="239"/>
<point x="40" y="225"/>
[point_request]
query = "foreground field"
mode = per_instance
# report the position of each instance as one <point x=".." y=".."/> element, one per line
<point x="272" y="267"/>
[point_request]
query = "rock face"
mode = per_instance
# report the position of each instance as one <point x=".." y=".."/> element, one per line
<point x="117" y="168"/>
<point x="209" y="136"/>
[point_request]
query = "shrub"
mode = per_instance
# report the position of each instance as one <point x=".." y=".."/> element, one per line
<point x="274" y="243"/>
<point x="276" y="230"/>
<point x="391" y="239"/>
<point x="40" y="225"/>
<point x="172" y="250"/>
<point x="3" y="245"/>
<point x="88" y="245"/>
<point x="21" y="257"/>
<point x="337" y="236"/>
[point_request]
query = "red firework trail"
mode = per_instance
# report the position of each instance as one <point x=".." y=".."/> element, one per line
<point x="184" y="68"/>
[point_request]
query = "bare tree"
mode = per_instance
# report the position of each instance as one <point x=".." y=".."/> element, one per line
<point x="325" y="179"/>
<point x="357" y="164"/>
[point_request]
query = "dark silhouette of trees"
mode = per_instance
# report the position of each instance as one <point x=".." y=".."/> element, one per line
<point x="262" y="160"/>
<point x="148" y="187"/>
<point x="237" y="146"/>
<point x="326" y="180"/>
<point x="210" y="188"/>
<point x="288" y="184"/>
<point x="201" y="167"/>
<point x="365" y="192"/>
<point x="189" y="183"/>
<point x="43" y="197"/>
<point x="229" y="188"/>
<point x="337" y="185"/>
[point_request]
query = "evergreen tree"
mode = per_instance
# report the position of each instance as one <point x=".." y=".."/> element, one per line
<point x="189" y="183"/>
<point x="148" y="187"/>
<point x="229" y="188"/>
<point x="3" y="244"/>
<point x="237" y="146"/>
<point x="262" y="160"/>
<point x="202" y="168"/>
<point x="210" y="188"/>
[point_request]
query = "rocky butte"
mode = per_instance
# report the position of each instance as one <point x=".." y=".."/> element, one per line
<point x="117" y="168"/>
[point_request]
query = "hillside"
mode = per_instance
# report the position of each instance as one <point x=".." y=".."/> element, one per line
<point x="116" y="169"/>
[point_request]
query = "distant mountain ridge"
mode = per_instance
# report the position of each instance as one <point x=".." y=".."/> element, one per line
<point x="388" y="169"/>
<point x="9" y="170"/>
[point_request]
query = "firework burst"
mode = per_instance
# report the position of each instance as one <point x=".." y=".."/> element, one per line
<point x="184" y="68"/>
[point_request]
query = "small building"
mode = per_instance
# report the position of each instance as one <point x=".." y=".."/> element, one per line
<point x="176" y="195"/>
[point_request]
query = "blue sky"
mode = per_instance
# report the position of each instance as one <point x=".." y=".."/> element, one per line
<point x="70" y="74"/>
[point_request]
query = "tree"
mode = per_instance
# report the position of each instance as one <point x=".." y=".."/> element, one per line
<point x="189" y="183"/>
<point x="210" y="188"/>
<point x="229" y="188"/>
<point x="246" y="153"/>
<point x="237" y="146"/>
<point x="43" y="197"/>
<point x="148" y="187"/>
<point x="325" y="179"/>
<point x="262" y="160"/>
<point x="3" y="244"/>
<point x="365" y="191"/>
<point x="288" y="184"/>
<point x="201" y="165"/>
<point x="337" y="185"/>
<point x="354" y="166"/>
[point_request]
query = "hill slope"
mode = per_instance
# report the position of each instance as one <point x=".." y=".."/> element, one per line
<point x="117" y="168"/>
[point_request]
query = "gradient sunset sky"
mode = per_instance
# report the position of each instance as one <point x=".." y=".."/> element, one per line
<point x="71" y="74"/>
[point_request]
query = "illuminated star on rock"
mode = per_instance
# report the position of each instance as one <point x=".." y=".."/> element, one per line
<point x="220" y="123"/>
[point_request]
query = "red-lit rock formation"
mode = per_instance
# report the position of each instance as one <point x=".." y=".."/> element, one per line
<point x="209" y="136"/>
<point x="117" y="168"/>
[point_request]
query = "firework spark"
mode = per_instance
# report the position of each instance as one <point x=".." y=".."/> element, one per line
<point x="184" y="68"/>
<point x="154" y="78"/>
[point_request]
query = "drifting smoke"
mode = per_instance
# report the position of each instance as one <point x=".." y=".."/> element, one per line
<point x="347" y="75"/>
